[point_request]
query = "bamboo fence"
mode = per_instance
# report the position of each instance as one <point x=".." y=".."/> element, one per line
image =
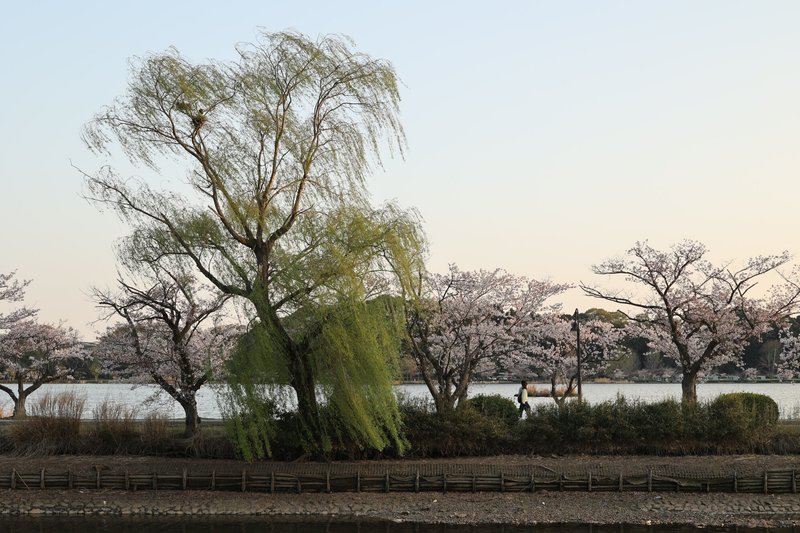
<point x="320" y="478"/>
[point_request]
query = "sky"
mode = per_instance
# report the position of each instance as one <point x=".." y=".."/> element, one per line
<point x="543" y="137"/>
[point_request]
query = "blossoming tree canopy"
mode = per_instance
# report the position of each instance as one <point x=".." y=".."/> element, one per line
<point x="551" y="350"/>
<point x="34" y="354"/>
<point x="788" y="363"/>
<point x="12" y="290"/>
<point x="463" y="320"/>
<point x="699" y="314"/>
<point x="161" y="340"/>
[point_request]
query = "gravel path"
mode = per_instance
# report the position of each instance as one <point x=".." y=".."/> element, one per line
<point x="519" y="508"/>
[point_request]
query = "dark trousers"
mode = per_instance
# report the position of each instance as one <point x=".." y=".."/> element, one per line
<point x="524" y="407"/>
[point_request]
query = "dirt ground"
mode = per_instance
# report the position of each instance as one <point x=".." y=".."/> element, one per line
<point x="713" y="509"/>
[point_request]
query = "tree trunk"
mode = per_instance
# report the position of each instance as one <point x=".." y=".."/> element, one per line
<point x="192" y="419"/>
<point x="301" y="378"/>
<point x="20" y="410"/>
<point x="444" y="402"/>
<point x="689" y="387"/>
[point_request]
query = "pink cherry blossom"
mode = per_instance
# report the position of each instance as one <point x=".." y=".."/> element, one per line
<point x="34" y="354"/>
<point x="465" y="321"/>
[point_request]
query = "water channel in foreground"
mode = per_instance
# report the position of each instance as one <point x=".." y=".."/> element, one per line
<point x="787" y="395"/>
<point x="267" y="525"/>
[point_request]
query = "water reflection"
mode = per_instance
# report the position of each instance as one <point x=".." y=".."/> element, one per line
<point x="267" y="525"/>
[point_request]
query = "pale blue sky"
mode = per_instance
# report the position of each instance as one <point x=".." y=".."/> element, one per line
<point x="543" y="136"/>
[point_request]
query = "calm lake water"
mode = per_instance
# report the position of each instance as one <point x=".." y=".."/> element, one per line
<point x="266" y="525"/>
<point x="787" y="395"/>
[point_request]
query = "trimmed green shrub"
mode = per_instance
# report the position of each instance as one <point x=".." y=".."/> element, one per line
<point x="495" y="407"/>
<point x="740" y="415"/>
<point x="464" y="432"/>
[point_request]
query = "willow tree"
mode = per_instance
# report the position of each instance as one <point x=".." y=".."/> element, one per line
<point x="277" y="145"/>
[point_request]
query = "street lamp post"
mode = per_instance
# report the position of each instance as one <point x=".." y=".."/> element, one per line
<point x="578" y="353"/>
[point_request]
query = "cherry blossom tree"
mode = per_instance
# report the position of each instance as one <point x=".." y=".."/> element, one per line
<point x="12" y="290"/>
<point x="788" y="360"/>
<point x="693" y="312"/>
<point x="160" y="339"/>
<point x="551" y="351"/>
<point x="463" y="320"/>
<point x="34" y="354"/>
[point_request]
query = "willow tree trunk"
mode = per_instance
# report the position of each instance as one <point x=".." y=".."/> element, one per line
<point x="301" y="378"/>
<point x="298" y="362"/>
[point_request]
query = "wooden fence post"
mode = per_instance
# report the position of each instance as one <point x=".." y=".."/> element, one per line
<point x="650" y="480"/>
<point x="184" y="480"/>
<point x="41" y="479"/>
<point x="416" y="482"/>
<point x="244" y="479"/>
<point x="766" y="483"/>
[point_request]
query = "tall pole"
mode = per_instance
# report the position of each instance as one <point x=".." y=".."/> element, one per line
<point x="578" y="353"/>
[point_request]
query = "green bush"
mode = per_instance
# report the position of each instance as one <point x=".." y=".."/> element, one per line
<point x="495" y="407"/>
<point x="464" y="432"/>
<point x="735" y="423"/>
<point x="742" y="415"/>
<point x="657" y="423"/>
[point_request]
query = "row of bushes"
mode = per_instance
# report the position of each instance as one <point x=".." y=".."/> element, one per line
<point x="485" y="425"/>
<point x="488" y="425"/>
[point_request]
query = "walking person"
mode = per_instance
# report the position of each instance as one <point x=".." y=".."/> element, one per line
<point x="522" y="398"/>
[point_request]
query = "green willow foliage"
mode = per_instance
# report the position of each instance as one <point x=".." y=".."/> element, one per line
<point x="352" y="331"/>
<point x="277" y="146"/>
<point x="353" y="347"/>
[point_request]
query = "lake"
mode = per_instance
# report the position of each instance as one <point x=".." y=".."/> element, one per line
<point x="787" y="395"/>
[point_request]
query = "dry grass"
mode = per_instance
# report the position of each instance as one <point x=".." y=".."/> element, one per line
<point x="53" y="426"/>
<point x="113" y="428"/>
<point x="154" y="431"/>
